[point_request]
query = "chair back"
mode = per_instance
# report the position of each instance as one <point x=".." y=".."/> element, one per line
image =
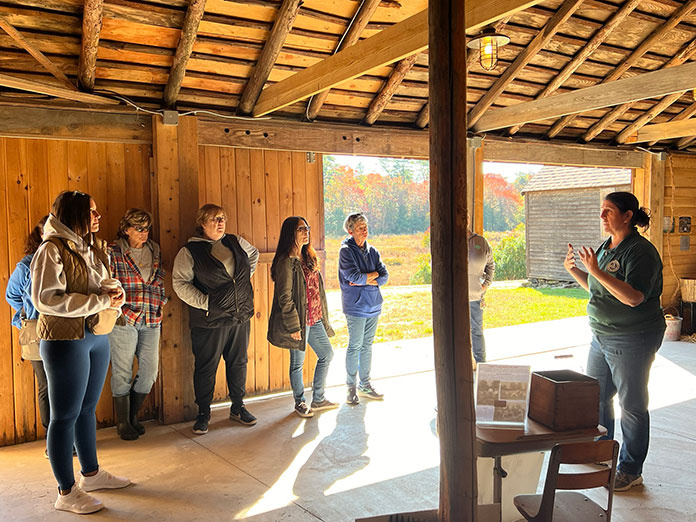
<point x="579" y="453"/>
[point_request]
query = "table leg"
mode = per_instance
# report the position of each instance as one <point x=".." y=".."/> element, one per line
<point x="498" y="475"/>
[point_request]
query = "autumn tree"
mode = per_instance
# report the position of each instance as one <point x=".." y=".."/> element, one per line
<point x="502" y="204"/>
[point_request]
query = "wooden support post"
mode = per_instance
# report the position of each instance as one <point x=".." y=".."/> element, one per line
<point x="176" y="172"/>
<point x="451" y="328"/>
<point x="649" y="188"/>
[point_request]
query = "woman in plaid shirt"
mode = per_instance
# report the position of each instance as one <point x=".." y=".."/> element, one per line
<point x="136" y="262"/>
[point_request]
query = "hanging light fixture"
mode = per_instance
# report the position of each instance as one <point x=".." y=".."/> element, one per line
<point x="487" y="43"/>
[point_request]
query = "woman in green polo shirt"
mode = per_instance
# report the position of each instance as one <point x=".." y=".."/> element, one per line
<point x="624" y="278"/>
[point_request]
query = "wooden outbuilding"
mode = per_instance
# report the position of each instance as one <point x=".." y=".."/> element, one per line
<point x="561" y="206"/>
<point x="170" y="104"/>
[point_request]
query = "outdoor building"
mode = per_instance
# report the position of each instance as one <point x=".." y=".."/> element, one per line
<point x="561" y="207"/>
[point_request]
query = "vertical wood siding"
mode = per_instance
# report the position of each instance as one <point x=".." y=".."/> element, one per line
<point x="257" y="188"/>
<point x="556" y="218"/>
<point x="679" y="200"/>
<point x="32" y="173"/>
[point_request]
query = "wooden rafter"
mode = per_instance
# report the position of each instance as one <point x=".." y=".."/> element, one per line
<point x="387" y="46"/>
<point x="194" y="14"/>
<point x="647" y="116"/>
<point x="648" y="85"/>
<point x="380" y="101"/>
<point x="40" y="57"/>
<point x="51" y="90"/>
<point x="631" y="59"/>
<point x="397" y="41"/>
<point x="91" y="29"/>
<point x="351" y="37"/>
<point x="281" y="28"/>
<point x="423" y="116"/>
<point x="685" y="142"/>
<point x="665" y="131"/>
<point x="683" y="56"/>
<point x="686" y="113"/>
<point x="538" y="43"/>
<point x="597" y="39"/>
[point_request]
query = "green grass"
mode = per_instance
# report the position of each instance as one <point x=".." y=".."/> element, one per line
<point x="399" y="253"/>
<point x="407" y="312"/>
<point x="507" y="307"/>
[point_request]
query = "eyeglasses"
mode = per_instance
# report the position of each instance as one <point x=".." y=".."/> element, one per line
<point x="304" y="229"/>
<point x="139" y="228"/>
<point x="218" y="219"/>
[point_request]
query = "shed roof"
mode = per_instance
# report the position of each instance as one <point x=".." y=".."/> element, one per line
<point x="559" y="178"/>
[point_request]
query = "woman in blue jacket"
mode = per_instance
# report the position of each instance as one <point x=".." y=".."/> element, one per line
<point x="360" y="274"/>
<point x="18" y="294"/>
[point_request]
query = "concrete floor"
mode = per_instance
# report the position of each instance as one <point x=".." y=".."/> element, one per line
<point x="371" y="459"/>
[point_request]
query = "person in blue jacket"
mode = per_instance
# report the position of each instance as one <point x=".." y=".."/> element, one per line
<point x="18" y="295"/>
<point x="360" y="274"/>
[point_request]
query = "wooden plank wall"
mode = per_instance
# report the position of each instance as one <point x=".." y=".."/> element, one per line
<point x="679" y="200"/>
<point x="259" y="189"/>
<point x="555" y="218"/>
<point x="32" y="173"/>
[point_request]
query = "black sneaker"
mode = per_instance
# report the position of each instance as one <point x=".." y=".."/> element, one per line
<point x="242" y="416"/>
<point x="369" y="392"/>
<point x="323" y="405"/>
<point x="303" y="410"/>
<point x="352" y="397"/>
<point x="200" y="427"/>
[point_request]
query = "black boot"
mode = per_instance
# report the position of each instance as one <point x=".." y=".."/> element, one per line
<point x="136" y="401"/>
<point x="123" y="426"/>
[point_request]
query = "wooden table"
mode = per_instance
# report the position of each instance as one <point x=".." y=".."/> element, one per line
<point x="498" y="442"/>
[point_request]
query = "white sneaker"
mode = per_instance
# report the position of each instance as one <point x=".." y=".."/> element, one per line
<point x="103" y="480"/>
<point x="77" y="501"/>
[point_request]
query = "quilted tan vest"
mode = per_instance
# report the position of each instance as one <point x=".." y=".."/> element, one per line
<point x="53" y="327"/>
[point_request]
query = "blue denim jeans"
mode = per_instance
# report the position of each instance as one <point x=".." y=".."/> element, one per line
<point x="361" y="333"/>
<point x="128" y="342"/>
<point x="622" y="364"/>
<point x="319" y="341"/>
<point x="76" y="371"/>
<point x="478" y="343"/>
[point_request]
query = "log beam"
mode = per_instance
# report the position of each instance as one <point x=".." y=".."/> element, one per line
<point x="51" y="90"/>
<point x="281" y="28"/>
<point x="511" y="72"/>
<point x="597" y="39"/>
<point x="387" y="46"/>
<point x="682" y="57"/>
<point x="91" y="29"/>
<point x="686" y="113"/>
<point x="351" y="37"/>
<point x="664" y="131"/>
<point x="194" y="14"/>
<point x="423" y="116"/>
<point x="38" y="55"/>
<point x="631" y="59"/>
<point x="382" y="98"/>
<point x="648" y="85"/>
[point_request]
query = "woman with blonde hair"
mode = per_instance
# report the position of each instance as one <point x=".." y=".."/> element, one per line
<point x="136" y="262"/>
<point x="212" y="275"/>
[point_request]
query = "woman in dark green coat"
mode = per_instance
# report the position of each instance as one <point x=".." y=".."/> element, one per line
<point x="299" y="314"/>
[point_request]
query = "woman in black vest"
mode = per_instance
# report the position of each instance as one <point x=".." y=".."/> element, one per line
<point x="212" y="275"/>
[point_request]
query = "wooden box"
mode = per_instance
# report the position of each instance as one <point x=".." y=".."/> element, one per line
<point x="564" y="400"/>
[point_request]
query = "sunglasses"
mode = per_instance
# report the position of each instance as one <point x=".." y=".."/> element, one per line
<point x="304" y="229"/>
<point x="218" y="219"/>
<point x="139" y="228"/>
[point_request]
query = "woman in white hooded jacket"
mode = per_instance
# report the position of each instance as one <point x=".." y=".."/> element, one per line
<point x="71" y="283"/>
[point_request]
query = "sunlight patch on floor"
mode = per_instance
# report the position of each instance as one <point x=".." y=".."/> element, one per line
<point x="281" y="493"/>
<point x="670" y="383"/>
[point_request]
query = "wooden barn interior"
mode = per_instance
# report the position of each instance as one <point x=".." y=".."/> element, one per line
<point x="169" y="104"/>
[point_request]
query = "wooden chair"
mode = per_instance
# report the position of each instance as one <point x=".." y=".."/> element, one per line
<point x="572" y="506"/>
